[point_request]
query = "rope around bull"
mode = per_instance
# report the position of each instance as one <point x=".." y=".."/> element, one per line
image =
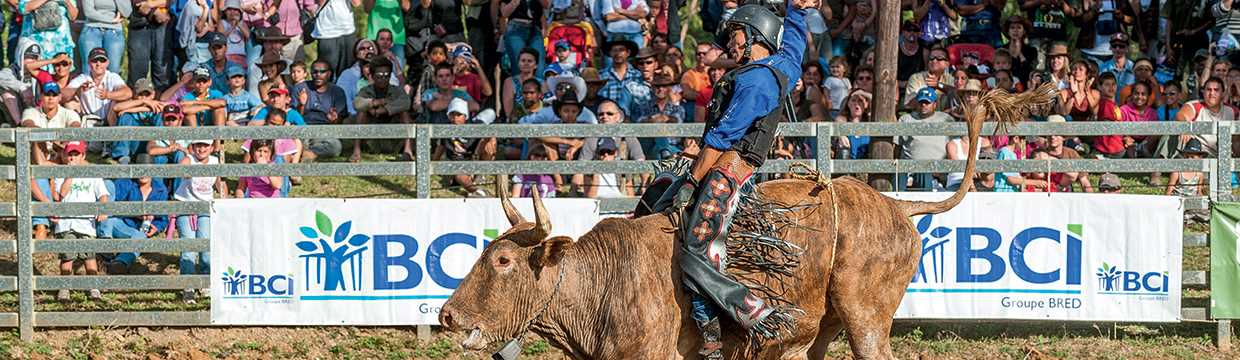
<point x="512" y="348"/>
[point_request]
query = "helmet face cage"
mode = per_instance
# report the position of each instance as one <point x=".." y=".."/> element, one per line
<point x="752" y="19"/>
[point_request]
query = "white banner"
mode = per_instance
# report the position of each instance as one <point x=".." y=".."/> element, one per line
<point x="1044" y="256"/>
<point x="355" y="262"/>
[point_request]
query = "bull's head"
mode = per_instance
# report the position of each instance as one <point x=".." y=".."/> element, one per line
<point x="509" y="283"/>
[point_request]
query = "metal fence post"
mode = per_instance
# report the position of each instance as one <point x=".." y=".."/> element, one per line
<point x="1220" y="183"/>
<point x="25" y="246"/>
<point x="823" y="132"/>
<point x="422" y="165"/>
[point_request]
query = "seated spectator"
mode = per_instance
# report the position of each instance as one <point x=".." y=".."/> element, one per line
<point x="134" y="227"/>
<point x="513" y="90"/>
<point x="143" y="110"/>
<point x="924" y="147"/>
<point x="199" y="225"/>
<point x="663" y="110"/>
<point x="1209" y="108"/>
<point x="1189" y="183"/>
<point x="380" y="103"/>
<point x="289" y="150"/>
<point x="204" y="105"/>
<point x="464" y="149"/>
<point x="1064" y="181"/>
<point x="1109" y="184"/>
<point x="936" y="76"/>
<point x="260" y="152"/>
<point x="607" y="185"/>
<point x="168" y="151"/>
<point x="525" y="185"/>
<point x="93" y="93"/>
<point x="1014" y="149"/>
<point x="385" y="47"/>
<point x="350" y="79"/>
<point x="298" y="74"/>
<point x="1143" y="70"/>
<point x="78" y="190"/>
<point x="628" y="148"/>
<point x="272" y="67"/>
<point x="1173" y="100"/>
<point x="240" y="105"/>
<point x="1110" y="146"/>
<point x="863" y="79"/>
<point x="470" y="75"/>
<point x="278" y="99"/>
<point x="22" y="90"/>
<point x="433" y="102"/>
<point x="322" y="103"/>
<point x="49" y="115"/>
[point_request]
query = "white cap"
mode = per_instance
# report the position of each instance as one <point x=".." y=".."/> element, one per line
<point x="201" y="141"/>
<point x="486" y="116"/>
<point x="457" y="105"/>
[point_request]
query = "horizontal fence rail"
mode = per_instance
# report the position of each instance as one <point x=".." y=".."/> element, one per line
<point x="26" y="319"/>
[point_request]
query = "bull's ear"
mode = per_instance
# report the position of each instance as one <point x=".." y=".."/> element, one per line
<point x="552" y="250"/>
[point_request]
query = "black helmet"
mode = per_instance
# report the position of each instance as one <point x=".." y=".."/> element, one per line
<point x="760" y="24"/>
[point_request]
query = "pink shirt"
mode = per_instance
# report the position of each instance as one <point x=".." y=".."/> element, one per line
<point x="290" y="16"/>
<point x="259" y="187"/>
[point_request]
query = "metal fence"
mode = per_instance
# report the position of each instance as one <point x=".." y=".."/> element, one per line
<point x="25" y="283"/>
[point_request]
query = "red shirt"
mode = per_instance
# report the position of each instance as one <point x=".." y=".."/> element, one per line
<point x="1109" y="144"/>
<point x="471" y="83"/>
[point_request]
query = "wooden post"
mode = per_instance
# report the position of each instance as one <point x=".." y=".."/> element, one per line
<point x="886" y="95"/>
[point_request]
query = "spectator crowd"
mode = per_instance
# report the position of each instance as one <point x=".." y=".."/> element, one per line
<point x="102" y="63"/>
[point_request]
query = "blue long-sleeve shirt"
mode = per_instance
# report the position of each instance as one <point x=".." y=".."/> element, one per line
<point x="756" y="91"/>
<point x="127" y="190"/>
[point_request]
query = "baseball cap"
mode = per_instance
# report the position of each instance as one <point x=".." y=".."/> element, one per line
<point x="201" y="141"/>
<point x="561" y="45"/>
<point x="142" y="85"/>
<point x="34" y="51"/>
<point x="215" y="38"/>
<point x="607" y="144"/>
<point x="927" y="94"/>
<point x="202" y="73"/>
<point x="458" y="106"/>
<point x="1119" y="37"/>
<point x="277" y="91"/>
<point x="172" y="110"/>
<point x="235" y="71"/>
<point x="72" y="146"/>
<point x="462" y="50"/>
<point x="232" y="4"/>
<point x="97" y="53"/>
<point x="1109" y="181"/>
<point x="51" y="87"/>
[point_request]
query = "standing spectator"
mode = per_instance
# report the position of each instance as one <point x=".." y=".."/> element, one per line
<point x="260" y="187"/>
<point x="197" y="226"/>
<point x="289" y="28"/>
<point x="103" y="28"/>
<point x="935" y="76"/>
<point x="624" y="84"/>
<point x="1098" y="21"/>
<point x="1059" y="67"/>
<point x="194" y="20"/>
<point x="979" y="20"/>
<point x="134" y="227"/>
<point x="512" y="92"/>
<point x="1111" y="146"/>
<point x="1023" y="56"/>
<point x="388" y="15"/>
<point x="149" y="54"/>
<point x="381" y="103"/>
<point x="48" y="25"/>
<point x="663" y="110"/>
<point x="934" y="17"/>
<point x="204" y="105"/>
<point x="322" y="103"/>
<point x="271" y="63"/>
<point x="924" y="147"/>
<point x="78" y="190"/>
<point x="220" y="64"/>
<point x="143" y="110"/>
<point x="837" y="85"/>
<point x="912" y="54"/>
<point x="336" y="34"/>
<point x="470" y="75"/>
<point x="96" y="90"/>
<point x="623" y="20"/>
<point x="521" y="21"/>
<point x="235" y="31"/>
<point x="1049" y="24"/>
<point x="1119" y="64"/>
<point x="696" y="79"/>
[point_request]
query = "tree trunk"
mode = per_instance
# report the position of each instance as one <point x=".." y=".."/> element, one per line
<point x="886" y="94"/>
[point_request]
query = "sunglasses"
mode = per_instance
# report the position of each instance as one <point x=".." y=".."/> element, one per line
<point x="51" y="93"/>
<point x="383" y="74"/>
<point x="609" y="113"/>
<point x="864" y="78"/>
<point x="99" y="60"/>
<point x="62" y="64"/>
<point x="320" y="71"/>
<point x="647" y="62"/>
<point x="529" y="92"/>
<point x="606" y="153"/>
<point x="938" y="58"/>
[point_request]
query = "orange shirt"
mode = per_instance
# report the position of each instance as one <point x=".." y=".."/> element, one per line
<point x="1154" y="98"/>
<point x="698" y="80"/>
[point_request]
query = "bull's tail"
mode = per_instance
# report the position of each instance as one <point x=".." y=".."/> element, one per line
<point x="1000" y="106"/>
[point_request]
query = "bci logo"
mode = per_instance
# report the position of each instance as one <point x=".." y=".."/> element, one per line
<point x="975" y="246"/>
<point x="1114" y="281"/>
<point x="334" y="259"/>
<point x="238" y="284"/>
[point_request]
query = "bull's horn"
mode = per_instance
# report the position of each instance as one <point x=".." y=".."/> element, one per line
<point x="541" y="218"/>
<point x="501" y="188"/>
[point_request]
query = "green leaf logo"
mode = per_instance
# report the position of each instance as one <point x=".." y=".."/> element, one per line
<point x="324" y="223"/>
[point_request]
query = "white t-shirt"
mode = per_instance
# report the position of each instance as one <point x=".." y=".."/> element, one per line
<point x="91" y="103"/>
<point x="199" y="188"/>
<point x="837" y="90"/>
<point x="608" y="186"/>
<point x="626" y="25"/>
<point x="63" y="118"/>
<point x="335" y="20"/>
<point x="81" y="190"/>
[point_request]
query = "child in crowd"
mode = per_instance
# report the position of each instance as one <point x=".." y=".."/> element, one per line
<point x="199" y="225"/>
<point x="298" y="73"/>
<point x="288" y="149"/>
<point x="837" y="85"/>
<point x="524" y="185"/>
<point x="79" y="190"/>
<point x="241" y="104"/>
<point x="1188" y="183"/>
<point x="260" y="152"/>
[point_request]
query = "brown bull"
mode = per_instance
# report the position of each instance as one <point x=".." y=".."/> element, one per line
<point x="615" y="293"/>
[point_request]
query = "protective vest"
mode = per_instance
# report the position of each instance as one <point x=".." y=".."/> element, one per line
<point x="756" y="144"/>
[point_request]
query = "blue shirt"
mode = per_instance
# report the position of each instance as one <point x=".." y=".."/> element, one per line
<point x="293" y="116"/>
<point x="240" y="105"/>
<point x="204" y="117"/>
<point x="756" y="92"/>
<point x="219" y="78"/>
<point x="1001" y="179"/>
<point x="1124" y="76"/>
<point x="629" y="93"/>
<point x="128" y="190"/>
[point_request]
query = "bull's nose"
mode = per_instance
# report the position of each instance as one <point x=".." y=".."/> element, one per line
<point x="446" y="319"/>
